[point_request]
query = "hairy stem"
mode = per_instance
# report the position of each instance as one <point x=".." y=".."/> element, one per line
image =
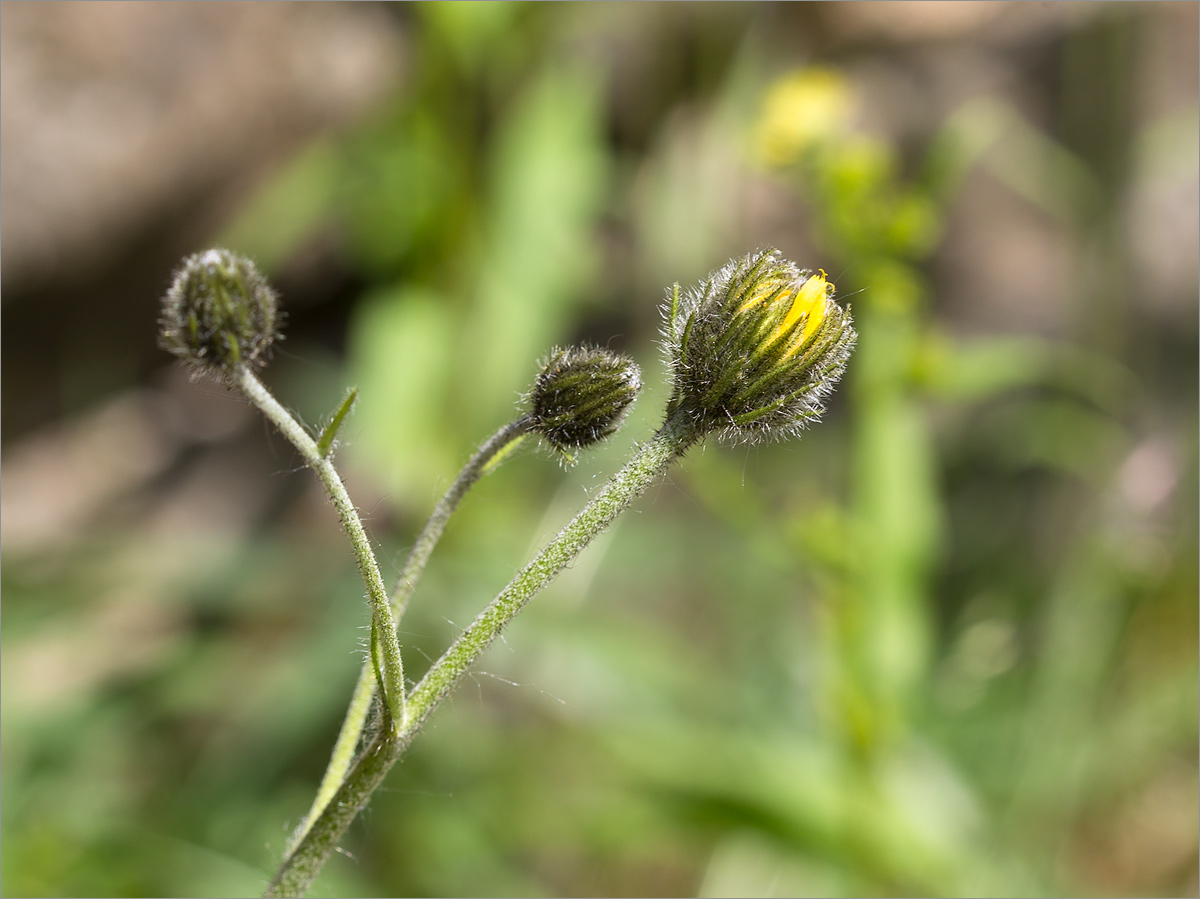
<point x="388" y="669"/>
<point x="651" y="461"/>
<point x="301" y="866"/>
<point x="482" y="462"/>
<point x="348" y="737"/>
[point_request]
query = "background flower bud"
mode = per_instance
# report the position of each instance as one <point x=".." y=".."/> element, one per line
<point x="219" y="313"/>
<point x="581" y="396"/>
<point x="756" y="347"/>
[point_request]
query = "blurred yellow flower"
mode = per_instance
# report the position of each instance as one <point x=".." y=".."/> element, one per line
<point x="800" y="110"/>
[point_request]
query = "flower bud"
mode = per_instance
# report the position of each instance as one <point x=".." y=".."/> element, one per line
<point x="219" y="313"/>
<point x="755" y="348"/>
<point x="581" y="396"/>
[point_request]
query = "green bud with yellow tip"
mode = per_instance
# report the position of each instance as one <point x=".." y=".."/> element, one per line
<point x="756" y="348"/>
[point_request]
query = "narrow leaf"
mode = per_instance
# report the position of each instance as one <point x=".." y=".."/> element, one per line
<point x="330" y="432"/>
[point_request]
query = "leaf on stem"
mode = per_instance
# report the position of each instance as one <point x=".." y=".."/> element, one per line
<point x="330" y="431"/>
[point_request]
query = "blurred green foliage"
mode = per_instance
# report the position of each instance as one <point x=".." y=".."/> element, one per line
<point x="942" y="645"/>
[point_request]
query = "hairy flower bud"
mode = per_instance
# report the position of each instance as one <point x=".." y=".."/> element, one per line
<point x="755" y="348"/>
<point x="219" y="313"/>
<point x="581" y="396"/>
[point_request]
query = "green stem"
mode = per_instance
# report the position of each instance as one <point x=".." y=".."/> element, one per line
<point x="301" y="866"/>
<point x="479" y="464"/>
<point x="650" y="461"/>
<point x="389" y="669"/>
<point x="364" y="691"/>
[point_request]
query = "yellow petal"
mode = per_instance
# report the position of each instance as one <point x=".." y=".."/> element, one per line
<point x="810" y="301"/>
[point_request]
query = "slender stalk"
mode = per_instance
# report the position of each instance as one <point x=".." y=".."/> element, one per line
<point x="303" y="863"/>
<point x="351" y="732"/>
<point x="344" y="747"/>
<point x="650" y="461"/>
<point x="479" y="464"/>
<point x="388" y="669"/>
<point x="301" y="866"/>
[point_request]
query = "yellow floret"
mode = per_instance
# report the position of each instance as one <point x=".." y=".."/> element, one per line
<point x="808" y="303"/>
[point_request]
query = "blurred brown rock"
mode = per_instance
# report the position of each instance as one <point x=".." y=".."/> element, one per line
<point x="111" y="112"/>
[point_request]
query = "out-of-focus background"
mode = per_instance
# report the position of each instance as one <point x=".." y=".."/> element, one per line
<point x="946" y="643"/>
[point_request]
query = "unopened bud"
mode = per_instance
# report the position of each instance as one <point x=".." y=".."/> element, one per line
<point x="581" y="396"/>
<point x="756" y="348"/>
<point x="219" y="313"/>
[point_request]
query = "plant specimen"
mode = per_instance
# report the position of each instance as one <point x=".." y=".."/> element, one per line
<point x="753" y="350"/>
